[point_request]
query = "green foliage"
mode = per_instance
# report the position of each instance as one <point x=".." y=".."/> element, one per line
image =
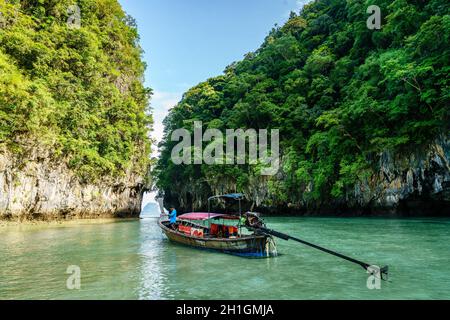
<point x="340" y="94"/>
<point x="78" y="92"/>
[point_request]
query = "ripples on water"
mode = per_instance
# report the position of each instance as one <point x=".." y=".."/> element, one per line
<point x="133" y="260"/>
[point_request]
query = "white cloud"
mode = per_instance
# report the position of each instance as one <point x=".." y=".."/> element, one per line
<point x="165" y="100"/>
<point x="300" y="4"/>
<point x="294" y="5"/>
<point x="161" y="102"/>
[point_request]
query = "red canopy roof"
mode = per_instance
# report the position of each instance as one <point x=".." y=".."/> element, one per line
<point x="205" y="216"/>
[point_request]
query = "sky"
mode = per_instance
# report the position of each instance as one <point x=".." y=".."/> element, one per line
<point x="188" y="41"/>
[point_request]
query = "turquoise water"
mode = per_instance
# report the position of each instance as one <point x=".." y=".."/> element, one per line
<point x="133" y="260"/>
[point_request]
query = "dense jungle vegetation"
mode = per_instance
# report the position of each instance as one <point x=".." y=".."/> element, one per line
<point x="76" y="91"/>
<point x="340" y="93"/>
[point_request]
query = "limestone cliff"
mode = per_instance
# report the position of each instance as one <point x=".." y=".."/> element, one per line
<point x="409" y="183"/>
<point x="38" y="189"/>
<point x="358" y="112"/>
<point x="74" y="111"/>
<point x="415" y="183"/>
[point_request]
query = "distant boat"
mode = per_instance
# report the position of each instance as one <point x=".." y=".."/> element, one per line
<point x="220" y="232"/>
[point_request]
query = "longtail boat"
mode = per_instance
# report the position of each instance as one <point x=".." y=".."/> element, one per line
<point x="221" y="232"/>
<point x="191" y="230"/>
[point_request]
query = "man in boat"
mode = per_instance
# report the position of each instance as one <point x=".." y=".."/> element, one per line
<point x="172" y="217"/>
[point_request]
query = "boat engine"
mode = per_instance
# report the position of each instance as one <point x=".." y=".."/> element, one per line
<point x="253" y="220"/>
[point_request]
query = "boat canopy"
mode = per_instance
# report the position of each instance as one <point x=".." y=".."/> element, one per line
<point x="235" y="196"/>
<point x="206" y="216"/>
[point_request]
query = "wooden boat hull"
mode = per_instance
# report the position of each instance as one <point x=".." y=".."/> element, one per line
<point x="249" y="246"/>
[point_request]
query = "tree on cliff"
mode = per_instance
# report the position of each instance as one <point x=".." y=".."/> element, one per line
<point x="74" y="87"/>
<point x="340" y="93"/>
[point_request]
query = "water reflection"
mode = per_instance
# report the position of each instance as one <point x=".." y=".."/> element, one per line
<point x="152" y="272"/>
<point x="134" y="260"/>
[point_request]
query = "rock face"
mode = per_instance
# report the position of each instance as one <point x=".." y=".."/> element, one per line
<point x="410" y="184"/>
<point x="41" y="190"/>
<point x="151" y="209"/>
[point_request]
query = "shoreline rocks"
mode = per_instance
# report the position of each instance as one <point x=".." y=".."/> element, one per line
<point x="39" y="189"/>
